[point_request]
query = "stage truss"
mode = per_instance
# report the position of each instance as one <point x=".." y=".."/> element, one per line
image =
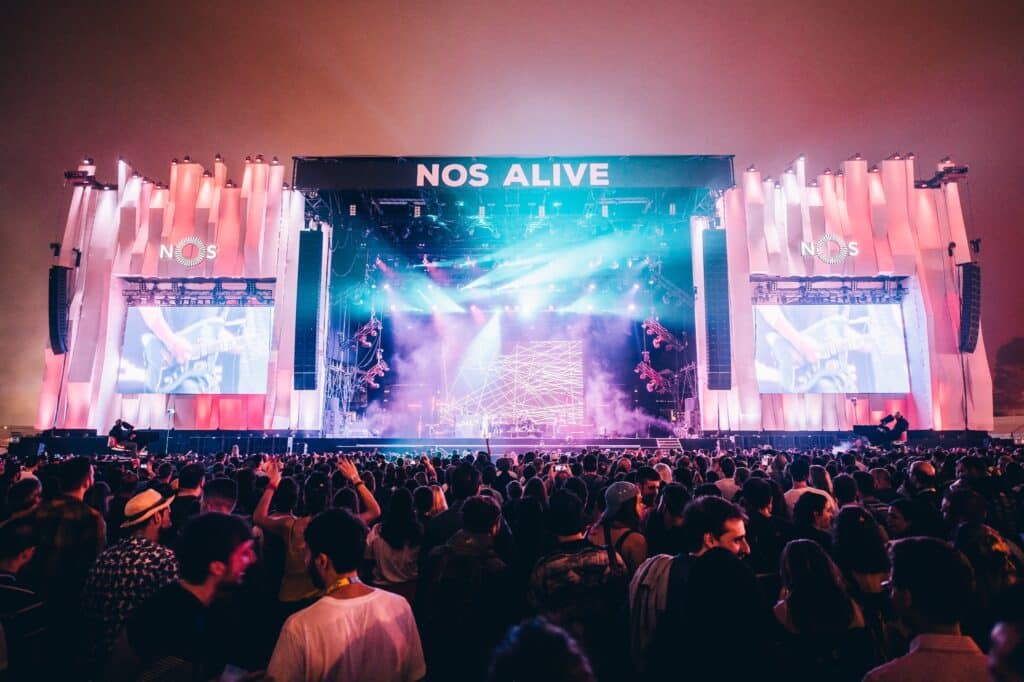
<point x="539" y="384"/>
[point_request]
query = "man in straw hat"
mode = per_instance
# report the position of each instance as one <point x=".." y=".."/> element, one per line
<point x="128" y="573"/>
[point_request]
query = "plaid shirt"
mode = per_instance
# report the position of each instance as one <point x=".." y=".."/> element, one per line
<point x="123" y="577"/>
<point x="71" y="535"/>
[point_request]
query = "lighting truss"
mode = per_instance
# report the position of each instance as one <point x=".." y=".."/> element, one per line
<point x="539" y="381"/>
<point x="827" y="290"/>
<point x="197" y="291"/>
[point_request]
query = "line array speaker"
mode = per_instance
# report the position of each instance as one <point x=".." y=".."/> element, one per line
<point x="970" y="307"/>
<point x="60" y="302"/>
<point x="716" y="305"/>
<point x="307" y="309"/>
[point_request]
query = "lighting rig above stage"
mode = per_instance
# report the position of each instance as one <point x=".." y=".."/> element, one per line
<point x="522" y="254"/>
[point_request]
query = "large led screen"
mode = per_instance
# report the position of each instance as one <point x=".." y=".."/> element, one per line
<point x="856" y="348"/>
<point x="196" y="350"/>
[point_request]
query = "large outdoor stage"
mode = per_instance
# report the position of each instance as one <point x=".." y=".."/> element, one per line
<point x="544" y="302"/>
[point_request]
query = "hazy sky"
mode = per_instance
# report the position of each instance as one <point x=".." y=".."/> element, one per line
<point x="765" y="81"/>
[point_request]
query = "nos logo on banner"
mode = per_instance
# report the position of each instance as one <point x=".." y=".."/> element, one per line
<point x="830" y="249"/>
<point x="190" y="251"/>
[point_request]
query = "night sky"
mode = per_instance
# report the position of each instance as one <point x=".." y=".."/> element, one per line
<point x="765" y="81"/>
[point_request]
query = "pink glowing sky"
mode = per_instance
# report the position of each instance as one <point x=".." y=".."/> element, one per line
<point x="765" y="81"/>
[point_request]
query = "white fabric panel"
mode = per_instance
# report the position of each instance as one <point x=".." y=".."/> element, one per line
<point x="900" y="230"/>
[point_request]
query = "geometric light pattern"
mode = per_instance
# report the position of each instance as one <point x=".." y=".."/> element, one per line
<point x="539" y="381"/>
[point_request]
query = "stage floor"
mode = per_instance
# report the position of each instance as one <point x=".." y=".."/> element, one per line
<point x="87" y="442"/>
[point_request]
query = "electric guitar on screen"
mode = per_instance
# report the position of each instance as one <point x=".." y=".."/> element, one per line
<point x="207" y="338"/>
<point x="831" y="372"/>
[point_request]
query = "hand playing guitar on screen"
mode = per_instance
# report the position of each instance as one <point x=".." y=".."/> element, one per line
<point x="805" y="344"/>
<point x="177" y="346"/>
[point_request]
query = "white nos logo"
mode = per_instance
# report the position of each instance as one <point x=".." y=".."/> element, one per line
<point x="830" y="249"/>
<point x="190" y="251"/>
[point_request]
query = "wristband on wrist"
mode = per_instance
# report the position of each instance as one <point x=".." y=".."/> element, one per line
<point x="359" y="483"/>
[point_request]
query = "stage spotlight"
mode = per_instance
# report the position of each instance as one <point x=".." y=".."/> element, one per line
<point x="394" y="308"/>
<point x="631" y="306"/>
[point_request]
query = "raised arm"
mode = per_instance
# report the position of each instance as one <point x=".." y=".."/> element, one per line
<point x="278" y="525"/>
<point x="371" y="509"/>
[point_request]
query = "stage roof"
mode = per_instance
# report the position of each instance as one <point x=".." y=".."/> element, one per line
<point x="512" y="172"/>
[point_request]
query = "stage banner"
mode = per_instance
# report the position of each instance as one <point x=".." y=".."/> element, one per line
<point x="506" y="172"/>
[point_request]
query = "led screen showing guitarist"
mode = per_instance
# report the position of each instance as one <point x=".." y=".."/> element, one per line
<point x="196" y="350"/>
<point x="830" y="349"/>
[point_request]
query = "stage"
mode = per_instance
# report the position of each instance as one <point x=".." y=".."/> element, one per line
<point x="377" y="300"/>
<point x="87" y="442"/>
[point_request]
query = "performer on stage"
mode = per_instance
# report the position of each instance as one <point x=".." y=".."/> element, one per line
<point x="123" y="434"/>
<point x="891" y="428"/>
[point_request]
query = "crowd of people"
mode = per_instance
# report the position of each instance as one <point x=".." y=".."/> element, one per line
<point x="873" y="564"/>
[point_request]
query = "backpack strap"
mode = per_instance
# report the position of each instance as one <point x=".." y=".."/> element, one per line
<point x="622" y="540"/>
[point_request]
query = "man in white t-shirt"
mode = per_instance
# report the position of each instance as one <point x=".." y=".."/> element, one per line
<point x="353" y="632"/>
<point x="799" y="470"/>
<point x="727" y="483"/>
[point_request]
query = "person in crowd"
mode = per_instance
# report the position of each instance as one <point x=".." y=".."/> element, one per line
<point x="488" y="476"/>
<point x="931" y="586"/>
<point x="663" y="529"/>
<point x="506" y="474"/>
<point x="1006" y="642"/>
<point x="845" y="489"/>
<point x="22" y="614"/>
<point x="963" y="505"/>
<point x="27" y="470"/>
<point x="649" y="482"/>
<point x="921" y="484"/>
<point x="219" y="495"/>
<point x="884" y="489"/>
<point x="23" y="497"/>
<point x="903" y="519"/>
<point x="539" y="651"/>
<point x="819" y="479"/>
<point x="995" y="572"/>
<point x="535" y="488"/>
<point x="71" y="535"/>
<point x="827" y="639"/>
<point x="812" y="519"/>
<point x="188" y="497"/>
<point x="972" y="473"/>
<point x="297" y="588"/>
<point x="660" y="614"/>
<point x="726" y="484"/>
<point x="513" y="495"/>
<point x="352" y="632"/>
<point x="868" y="495"/>
<point x="127" y="574"/>
<point x="466" y="482"/>
<point x="166" y="636"/>
<point x="800" y="470"/>
<point x="581" y="585"/>
<point x="465" y="587"/>
<point x="98" y="497"/>
<point x="619" y="525"/>
<point x="393" y="546"/>
<point x="767" y="533"/>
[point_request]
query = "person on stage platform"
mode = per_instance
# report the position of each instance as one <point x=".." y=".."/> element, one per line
<point x="123" y="435"/>
<point x="891" y="428"/>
